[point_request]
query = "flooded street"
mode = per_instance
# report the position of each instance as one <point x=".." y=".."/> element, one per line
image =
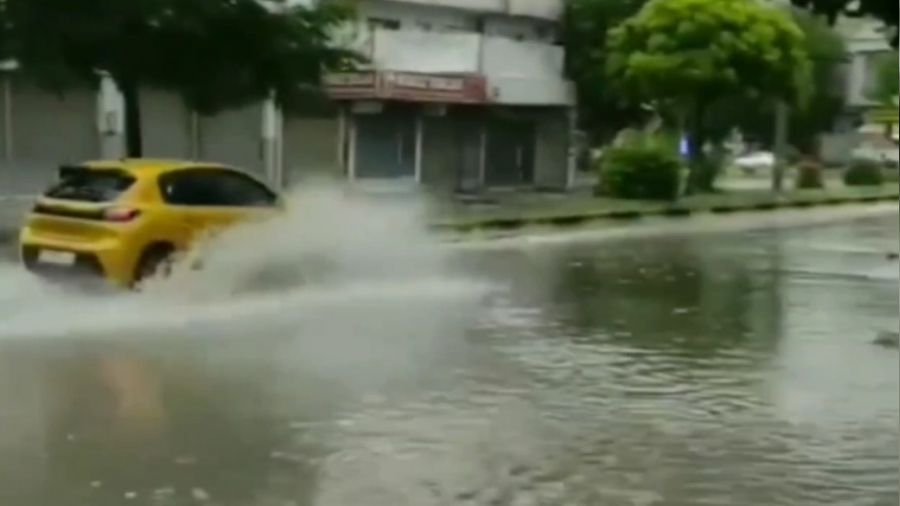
<point x="733" y="368"/>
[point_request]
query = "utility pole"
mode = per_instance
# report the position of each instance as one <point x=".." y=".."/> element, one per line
<point x="782" y="117"/>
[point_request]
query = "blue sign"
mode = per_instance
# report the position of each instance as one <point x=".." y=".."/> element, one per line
<point x="684" y="147"/>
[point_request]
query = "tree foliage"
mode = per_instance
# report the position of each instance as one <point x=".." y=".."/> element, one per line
<point x="887" y="84"/>
<point x="698" y="50"/>
<point x="810" y="118"/>
<point x="884" y="10"/>
<point x="587" y="25"/>
<point x="687" y="55"/>
<point x="215" y="53"/>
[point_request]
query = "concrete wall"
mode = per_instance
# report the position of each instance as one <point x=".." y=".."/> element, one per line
<point x="496" y="20"/>
<point x="166" y="125"/>
<point x="531" y="92"/>
<point x="421" y="15"/>
<point x="414" y="51"/>
<point x="524" y="29"/>
<point x="46" y="130"/>
<point x="509" y="58"/>
<point x="468" y="5"/>
<point x="543" y="9"/>
<point x="110" y="120"/>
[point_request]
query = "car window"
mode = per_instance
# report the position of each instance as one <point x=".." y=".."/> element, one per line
<point x="214" y="187"/>
<point x="189" y="188"/>
<point x="242" y="191"/>
<point x="89" y="185"/>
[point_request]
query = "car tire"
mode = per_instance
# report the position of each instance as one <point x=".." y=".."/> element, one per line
<point x="156" y="260"/>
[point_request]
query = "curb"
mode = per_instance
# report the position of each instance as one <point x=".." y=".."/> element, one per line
<point x="563" y="220"/>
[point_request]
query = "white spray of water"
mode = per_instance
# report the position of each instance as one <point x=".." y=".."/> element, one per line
<point x="352" y="282"/>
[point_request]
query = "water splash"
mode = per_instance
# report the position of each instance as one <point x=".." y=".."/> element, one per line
<point x="351" y="280"/>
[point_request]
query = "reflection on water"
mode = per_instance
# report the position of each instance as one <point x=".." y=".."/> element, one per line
<point x="733" y="369"/>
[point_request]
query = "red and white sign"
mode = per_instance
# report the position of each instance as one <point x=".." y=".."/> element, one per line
<point x="408" y="86"/>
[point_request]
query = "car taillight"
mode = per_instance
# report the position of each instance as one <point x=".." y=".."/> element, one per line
<point x="120" y="214"/>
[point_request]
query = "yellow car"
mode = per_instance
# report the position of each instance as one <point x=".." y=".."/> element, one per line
<point x="123" y="220"/>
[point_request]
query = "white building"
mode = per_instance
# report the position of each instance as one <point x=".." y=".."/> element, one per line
<point x="866" y="47"/>
<point x="458" y="94"/>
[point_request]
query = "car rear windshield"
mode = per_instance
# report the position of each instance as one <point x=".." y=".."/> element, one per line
<point x="87" y="185"/>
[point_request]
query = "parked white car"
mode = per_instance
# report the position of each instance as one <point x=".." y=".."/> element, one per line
<point x="755" y="162"/>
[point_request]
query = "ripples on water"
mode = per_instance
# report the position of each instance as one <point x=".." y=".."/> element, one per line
<point x="732" y="369"/>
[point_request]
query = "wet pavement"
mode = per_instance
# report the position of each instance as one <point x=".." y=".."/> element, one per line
<point x="733" y="368"/>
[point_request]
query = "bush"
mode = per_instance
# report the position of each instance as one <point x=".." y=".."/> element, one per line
<point x="809" y="176"/>
<point x="864" y="173"/>
<point x="641" y="168"/>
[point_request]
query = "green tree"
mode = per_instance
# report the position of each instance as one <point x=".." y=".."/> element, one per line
<point x="586" y="28"/>
<point x="809" y="118"/>
<point x="215" y="53"/>
<point x="887" y="84"/>
<point x="884" y="10"/>
<point x="689" y="55"/>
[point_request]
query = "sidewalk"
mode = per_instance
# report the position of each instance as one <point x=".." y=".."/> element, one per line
<point x="517" y="209"/>
<point x="499" y="211"/>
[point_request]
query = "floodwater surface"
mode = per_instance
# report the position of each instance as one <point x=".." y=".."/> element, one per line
<point x="733" y="368"/>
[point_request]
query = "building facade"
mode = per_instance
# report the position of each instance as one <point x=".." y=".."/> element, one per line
<point x="457" y="95"/>
<point x="866" y="45"/>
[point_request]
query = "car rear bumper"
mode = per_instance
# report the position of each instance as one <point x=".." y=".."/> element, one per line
<point x="91" y="263"/>
<point x="85" y="267"/>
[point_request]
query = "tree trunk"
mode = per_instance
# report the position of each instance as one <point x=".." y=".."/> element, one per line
<point x="697" y="146"/>
<point x="782" y="133"/>
<point x="133" y="137"/>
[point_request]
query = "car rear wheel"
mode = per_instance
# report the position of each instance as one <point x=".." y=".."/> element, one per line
<point x="156" y="261"/>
